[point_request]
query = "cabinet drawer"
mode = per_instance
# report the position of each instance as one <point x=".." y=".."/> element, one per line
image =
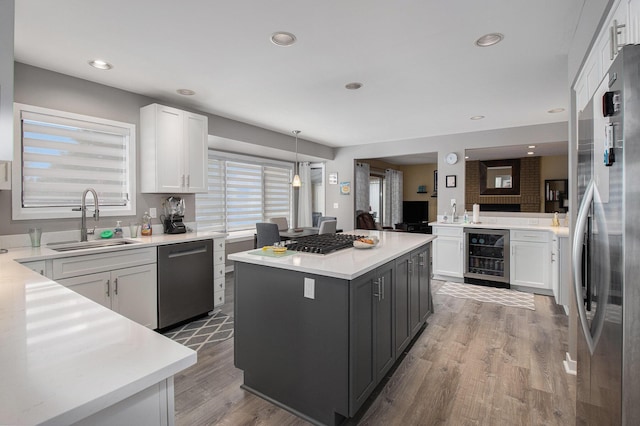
<point x="92" y="263"/>
<point x="218" y="257"/>
<point x="218" y="271"/>
<point x="533" y="236"/>
<point x="218" y="284"/>
<point x="218" y="244"/>
<point x="218" y="298"/>
<point x="446" y="231"/>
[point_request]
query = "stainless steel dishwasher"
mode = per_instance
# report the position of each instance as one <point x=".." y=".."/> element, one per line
<point x="185" y="282"/>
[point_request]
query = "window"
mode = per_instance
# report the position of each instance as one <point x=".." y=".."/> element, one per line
<point x="61" y="154"/>
<point x="243" y="190"/>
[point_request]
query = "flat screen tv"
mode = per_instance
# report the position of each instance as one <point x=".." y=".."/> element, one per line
<point x="415" y="211"/>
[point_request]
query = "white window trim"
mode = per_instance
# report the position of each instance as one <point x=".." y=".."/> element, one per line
<point x="19" y="213"/>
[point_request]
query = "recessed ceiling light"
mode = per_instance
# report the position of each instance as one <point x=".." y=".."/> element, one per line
<point x="353" y="86"/>
<point x="100" y="64"/>
<point x="489" y="39"/>
<point x="185" y="92"/>
<point x="530" y="153"/>
<point x="531" y="146"/>
<point x="477" y="117"/>
<point x="555" y="110"/>
<point x="282" y="38"/>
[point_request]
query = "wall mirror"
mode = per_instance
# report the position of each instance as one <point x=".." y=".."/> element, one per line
<point x="500" y="177"/>
<point x="539" y="164"/>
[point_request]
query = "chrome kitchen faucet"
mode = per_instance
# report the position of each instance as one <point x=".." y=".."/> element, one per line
<point x="83" y="209"/>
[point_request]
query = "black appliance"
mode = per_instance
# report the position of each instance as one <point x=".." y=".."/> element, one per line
<point x="323" y="243"/>
<point x="173" y="215"/>
<point x="486" y="260"/>
<point x="185" y="282"/>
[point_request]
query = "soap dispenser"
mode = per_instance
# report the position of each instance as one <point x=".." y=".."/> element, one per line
<point x="117" y="232"/>
<point x="555" y="221"/>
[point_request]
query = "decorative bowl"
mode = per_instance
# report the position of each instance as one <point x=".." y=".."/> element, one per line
<point x="366" y="243"/>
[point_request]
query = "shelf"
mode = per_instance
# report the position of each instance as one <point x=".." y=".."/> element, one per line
<point x="422" y="192"/>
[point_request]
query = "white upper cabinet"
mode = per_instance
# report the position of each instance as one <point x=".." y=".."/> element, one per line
<point x="621" y="27"/>
<point x="173" y="150"/>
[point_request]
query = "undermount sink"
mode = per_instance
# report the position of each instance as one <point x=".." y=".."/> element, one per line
<point x="81" y="245"/>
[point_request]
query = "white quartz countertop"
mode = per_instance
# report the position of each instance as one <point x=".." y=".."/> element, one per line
<point x="23" y="254"/>
<point x="347" y="263"/>
<point x="558" y="230"/>
<point x="64" y="357"/>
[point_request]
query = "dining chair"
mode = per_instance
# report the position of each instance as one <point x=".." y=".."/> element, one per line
<point x="323" y="218"/>
<point x="266" y="234"/>
<point x="282" y="223"/>
<point x="328" y="227"/>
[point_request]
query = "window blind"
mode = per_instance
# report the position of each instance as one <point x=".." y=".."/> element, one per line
<point x="61" y="157"/>
<point x="210" y="207"/>
<point x="243" y="190"/>
<point x="277" y="192"/>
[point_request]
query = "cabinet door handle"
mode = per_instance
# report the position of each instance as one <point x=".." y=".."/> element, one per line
<point x="42" y="272"/>
<point x="108" y="287"/>
<point x="614" y="31"/>
<point x="115" y="288"/>
<point x="188" y="181"/>
<point x="376" y="292"/>
<point x="182" y="185"/>
<point x="382" y="288"/>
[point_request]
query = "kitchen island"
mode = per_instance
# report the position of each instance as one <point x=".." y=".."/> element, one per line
<point x="315" y="334"/>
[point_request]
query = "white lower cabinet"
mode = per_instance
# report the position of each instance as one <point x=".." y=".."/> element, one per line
<point x="531" y="259"/>
<point x="448" y="251"/>
<point x="39" y="266"/>
<point x="218" y="271"/>
<point x="130" y="291"/>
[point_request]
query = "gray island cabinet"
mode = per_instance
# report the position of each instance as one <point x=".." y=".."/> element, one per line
<point x="315" y="334"/>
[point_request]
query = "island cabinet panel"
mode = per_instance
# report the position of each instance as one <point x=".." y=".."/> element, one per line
<point x="401" y="302"/>
<point x="293" y="349"/>
<point x="371" y="340"/>
<point x="412" y="291"/>
<point x="424" y="274"/>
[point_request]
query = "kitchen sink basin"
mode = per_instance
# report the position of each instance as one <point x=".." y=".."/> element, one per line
<point x="82" y="245"/>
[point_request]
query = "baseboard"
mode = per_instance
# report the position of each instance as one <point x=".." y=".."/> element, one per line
<point x="569" y="365"/>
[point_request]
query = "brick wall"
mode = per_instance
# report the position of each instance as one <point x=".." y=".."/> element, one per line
<point x="529" y="198"/>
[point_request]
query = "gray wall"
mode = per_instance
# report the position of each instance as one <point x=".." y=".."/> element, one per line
<point x="6" y="78"/>
<point x="344" y="161"/>
<point x="36" y="86"/>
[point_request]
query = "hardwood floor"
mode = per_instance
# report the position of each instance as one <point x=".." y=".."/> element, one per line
<point x="474" y="364"/>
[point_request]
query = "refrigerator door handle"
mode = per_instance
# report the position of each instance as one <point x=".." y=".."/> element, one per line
<point x="591" y="195"/>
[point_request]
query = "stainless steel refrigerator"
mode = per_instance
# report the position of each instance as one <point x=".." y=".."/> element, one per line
<point x="606" y="251"/>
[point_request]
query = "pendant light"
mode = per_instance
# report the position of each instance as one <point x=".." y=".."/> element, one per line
<point x="296" y="178"/>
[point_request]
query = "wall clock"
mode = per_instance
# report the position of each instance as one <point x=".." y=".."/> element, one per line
<point x="451" y="158"/>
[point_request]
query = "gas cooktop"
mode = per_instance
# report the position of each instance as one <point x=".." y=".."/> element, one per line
<point x="324" y="243"/>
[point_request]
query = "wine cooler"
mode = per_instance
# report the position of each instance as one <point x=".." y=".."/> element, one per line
<point x="486" y="258"/>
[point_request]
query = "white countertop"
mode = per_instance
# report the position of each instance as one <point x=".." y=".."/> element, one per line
<point x="23" y="254"/>
<point x="561" y="231"/>
<point x="347" y="263"/>
<point x="64" y="357"/>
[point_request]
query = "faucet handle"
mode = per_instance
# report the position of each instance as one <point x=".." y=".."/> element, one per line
<point x="92" y="231"/>
<point x="76" y="209"/>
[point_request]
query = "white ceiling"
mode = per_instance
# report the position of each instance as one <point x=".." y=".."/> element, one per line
<point x="421" y="71"/>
